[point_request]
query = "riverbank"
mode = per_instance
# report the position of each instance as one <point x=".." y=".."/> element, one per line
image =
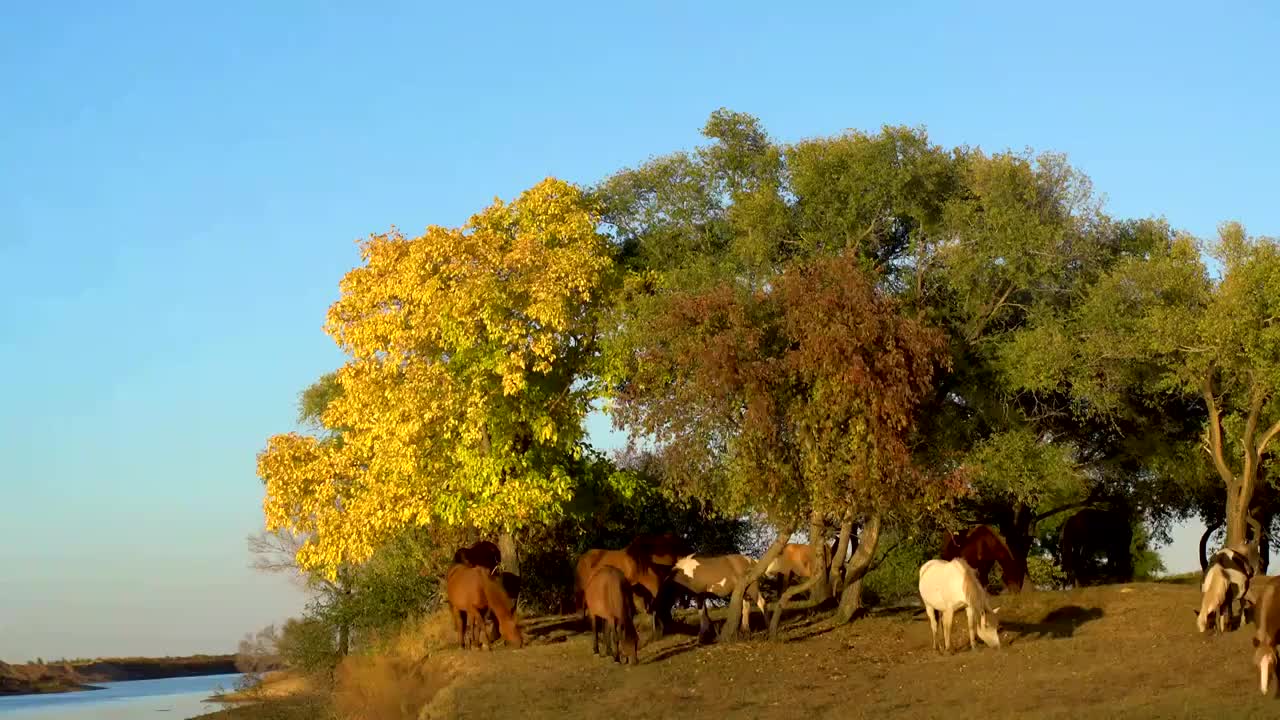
<point x="37" y="678"/>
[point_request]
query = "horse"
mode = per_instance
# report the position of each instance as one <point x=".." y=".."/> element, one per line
<point x="1267" y="636"/>
<point x="1253" y="596"/>
<point x="1226" y="582"/>
<point x="982" y="547"/>
<point x="718" y="575"/>
<point x="794" y="560"/>
<point x="608" y="601"/>
<point x="947" y="586"/>
<point x="471" y="591"/>
<point x="642" y="576"/>
<point x="1091" y="532"/>
<point x="483" y="554"/>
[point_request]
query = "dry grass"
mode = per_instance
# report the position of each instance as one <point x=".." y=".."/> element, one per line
<point x="1107" y="652"/>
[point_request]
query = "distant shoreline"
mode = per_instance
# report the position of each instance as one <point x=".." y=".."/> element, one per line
<point x="41" y="679"/>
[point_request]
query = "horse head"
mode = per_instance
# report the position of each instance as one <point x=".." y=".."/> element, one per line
<point x="989" y="628"/>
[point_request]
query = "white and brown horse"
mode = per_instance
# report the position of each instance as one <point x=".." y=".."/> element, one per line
<point x="718" y="575"/>
<point x="949" y="585"/>
<point x="1224" y="584"/>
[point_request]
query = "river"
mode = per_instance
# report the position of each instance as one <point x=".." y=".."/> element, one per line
<point x="168" y="699"/>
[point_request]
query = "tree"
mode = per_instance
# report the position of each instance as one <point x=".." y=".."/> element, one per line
<point x="463" y="399"/>
<point x="792" y="398"/>
<point x="1159" y="323"/>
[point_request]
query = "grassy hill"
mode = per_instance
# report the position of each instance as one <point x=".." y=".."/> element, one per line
<point x="1119" y="651"/>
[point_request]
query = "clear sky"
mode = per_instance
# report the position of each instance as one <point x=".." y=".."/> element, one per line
<point x="181" y="186"/>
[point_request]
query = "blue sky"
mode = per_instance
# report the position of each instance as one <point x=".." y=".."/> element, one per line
<point x="181" y="188"/>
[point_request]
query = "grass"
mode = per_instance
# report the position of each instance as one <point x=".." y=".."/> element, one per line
<point x="1108" y="652"/>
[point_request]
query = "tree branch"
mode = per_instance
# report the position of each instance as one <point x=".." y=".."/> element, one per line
<point x="1267" y="437"/>
<point x="1064" y="508"/>
<point x="1215" y="431"/>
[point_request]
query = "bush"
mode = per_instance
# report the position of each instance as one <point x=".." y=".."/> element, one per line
<point x="257" y="652"/>
<point x="1045" y="573"/>
<point x="897" y="577"/>
<point x="308" y="645"/>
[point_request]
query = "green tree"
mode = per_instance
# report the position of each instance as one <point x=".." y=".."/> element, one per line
<point x="1161" y="324"/>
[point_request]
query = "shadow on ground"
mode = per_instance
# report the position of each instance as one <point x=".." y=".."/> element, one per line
<point x="1057" y="623"/>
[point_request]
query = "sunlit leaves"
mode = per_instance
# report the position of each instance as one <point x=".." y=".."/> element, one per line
<point x="461" y="403"/>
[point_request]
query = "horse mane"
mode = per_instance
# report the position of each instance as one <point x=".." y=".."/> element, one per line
<point x="974" y="594"/>
<point x="495" y="595"/>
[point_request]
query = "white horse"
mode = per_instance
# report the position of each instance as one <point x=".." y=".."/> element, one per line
<point x="1226" y="581"/>
<point x="947" y="586"/>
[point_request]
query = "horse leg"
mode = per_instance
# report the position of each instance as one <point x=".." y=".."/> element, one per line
<point x="971" y="618"/>
<point x="617" y="640"/>
<point x="460" y="624"/>
<point x="933" y="624"/>
<point x="746" y="617"/>
<point x="947" y="616"/>
<point x="595" y="636"/>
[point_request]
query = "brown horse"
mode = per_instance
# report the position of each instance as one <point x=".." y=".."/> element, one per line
<point x="609" y="603"/>
<point x="794" y="560"/>
<point x="982" y="547"/>
<point x="639" y="572"/>
<point x="471" y="591"/>
<point x="483" y="554"/>
<point x="718" y="575"/>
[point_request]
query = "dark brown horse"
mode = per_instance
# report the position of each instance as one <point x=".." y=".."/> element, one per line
<point x="472" y="592"/>
<point x="982" y="547"/>
<point x="1093" y="534"/>
<point x="608" y="601"/>
<point x="483" y="554"/>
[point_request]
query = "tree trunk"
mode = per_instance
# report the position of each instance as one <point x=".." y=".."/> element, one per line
<point x="1204" y="546"/>
<point x="730" y="631"/>
<point x="836" y="578"/>
<point x="510" y="558"/>
<point x="856" y="568"/>
<point x="818" y="586"/>
<point x="344" y="639"/>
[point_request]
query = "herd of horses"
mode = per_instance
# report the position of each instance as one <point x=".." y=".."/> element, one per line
<point x="612" y="585"/>
<point x="653" y="571"/>
<point x="1234" y="591"/>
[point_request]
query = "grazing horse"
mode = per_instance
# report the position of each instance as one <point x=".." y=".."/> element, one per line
<point x="483" y="554"/>
<point x="1267" y="635"/>
<point x="947" y="586"/>
<point x="642" y="576"/>
<point x="1226" y="582"/>
<point x="718" y="576"/>
<point x="471" y="591"/>
<point x="608" y="601"/>
<point x="1253" y="597"/>
<point x="982" y="547"/>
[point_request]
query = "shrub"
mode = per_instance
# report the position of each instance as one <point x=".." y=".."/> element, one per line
<point x="308" y="645"/>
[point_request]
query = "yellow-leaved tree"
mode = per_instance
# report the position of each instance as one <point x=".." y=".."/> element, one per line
<point x="463" y="399"/>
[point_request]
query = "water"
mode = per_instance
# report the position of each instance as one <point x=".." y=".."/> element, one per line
<point x="168" y="699"/>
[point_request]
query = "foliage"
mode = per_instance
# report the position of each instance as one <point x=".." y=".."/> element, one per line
<point x="308" y="645"/>
<point x="1045" y="572"/>
<point x="615" y="499"/>
<point x="896" y="577"/>
<point x="1157" y="325"/>
<point x="462" y="401"/>
<point x="784" y="398"/>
